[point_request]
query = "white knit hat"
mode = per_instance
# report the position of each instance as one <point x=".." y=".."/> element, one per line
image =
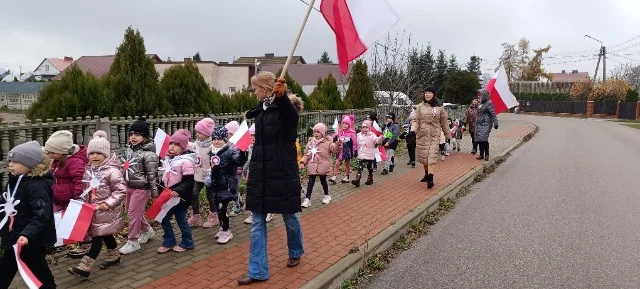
<point x="99" y="144"/>
<point x="61" y="142"/>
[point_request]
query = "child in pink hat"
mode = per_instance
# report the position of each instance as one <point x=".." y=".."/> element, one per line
<point x="202" y="147"/>
<point x="347" y="135"/>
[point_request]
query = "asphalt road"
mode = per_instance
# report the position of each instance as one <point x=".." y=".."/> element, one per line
<point x="562" y="212"/>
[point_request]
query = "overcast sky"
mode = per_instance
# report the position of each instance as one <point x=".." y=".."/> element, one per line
<point x="224" y="29"/>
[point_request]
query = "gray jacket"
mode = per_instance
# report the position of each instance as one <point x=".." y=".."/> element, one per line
<point x="486" y="118"/>
<point x="143" y="167"/>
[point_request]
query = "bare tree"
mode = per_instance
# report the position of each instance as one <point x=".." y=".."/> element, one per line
<point x="629" y="72"/>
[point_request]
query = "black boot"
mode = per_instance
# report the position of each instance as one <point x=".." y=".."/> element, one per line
<point x="369" y="180"/>
<point x="413" y="164"/>
<point x="384" y="172"/>
<point x="356" y="182"/>
<point x="425" y="178"/>
<point x="430" y="183"/>
<point x="391" y="168"/>
<point x="486" y="157"/>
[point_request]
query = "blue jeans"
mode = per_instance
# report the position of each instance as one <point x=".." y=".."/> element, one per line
<point x="181" y="218"/>
<point x="258" y="255"/>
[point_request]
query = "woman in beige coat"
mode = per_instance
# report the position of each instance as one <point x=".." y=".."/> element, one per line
<point x="429" y="122"/>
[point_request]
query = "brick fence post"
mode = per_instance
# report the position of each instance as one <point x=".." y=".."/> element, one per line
<point x="590" y="106"/>
<point x="618" y="110"/>
<point x="638" y="111"/>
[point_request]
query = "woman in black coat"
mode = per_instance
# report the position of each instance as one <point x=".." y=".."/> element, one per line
<point x="273" y="185"/>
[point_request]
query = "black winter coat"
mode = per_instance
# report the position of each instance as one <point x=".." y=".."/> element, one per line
<point x="274" y="183"/>
<point x="224" y="182"/>
<point x="34" y="219"/>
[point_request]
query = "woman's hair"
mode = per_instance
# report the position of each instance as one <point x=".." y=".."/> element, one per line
<point x="296" y="101"/>
<point x="264" y="79"/>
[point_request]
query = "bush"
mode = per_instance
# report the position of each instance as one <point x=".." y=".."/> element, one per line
<point x="542" y="96"/>
<point x="632" y="95"/>
<point x="611" y="90"/>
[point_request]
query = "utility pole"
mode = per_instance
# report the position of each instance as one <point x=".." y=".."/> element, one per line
<point x="604" y="63"/>
<point x="595" y="75"/>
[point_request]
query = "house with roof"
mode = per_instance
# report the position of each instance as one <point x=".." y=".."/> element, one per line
<point x="307" y="75"/>
<point x="222" y="76"/>
<point x="268" y="59"/>
<point x="50" y="67"/>
<point x="20" y="95"/>
<point x="574" y="76"/>
<point x="98" y="65"/>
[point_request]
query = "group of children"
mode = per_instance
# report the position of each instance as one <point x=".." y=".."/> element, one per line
<point x="44" y="180"/>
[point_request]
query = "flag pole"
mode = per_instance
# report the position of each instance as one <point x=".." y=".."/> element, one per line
<point x="295" y="43"/>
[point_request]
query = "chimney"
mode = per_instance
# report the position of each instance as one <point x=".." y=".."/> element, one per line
<point x="563" y="71"/>
<point x="187" y="59"/>
<point x="269" y="55"/>
<point x="67" y="58"/>
<point x="574" y="72"/>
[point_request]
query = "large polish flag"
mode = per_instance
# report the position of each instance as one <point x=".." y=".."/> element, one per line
<point x="29" y="278"/>
<point x="357" y="25"/>
<point x="161" y="140"/>
<point x="76" y="220"/>
<point x="501" y="95"/>
<point x="162" y="205"/>
<point x="242" y="137"/>
<point x="376" y="129"/>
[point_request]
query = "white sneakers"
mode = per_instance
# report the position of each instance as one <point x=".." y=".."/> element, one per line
<point x="130" y="247"/>
<point x="249" y="220"/>
<point x="224" y="237"/>
<point x="333" y="179"/>
<point x="144" y="237"/>
<point x="218" y="234"/>
<point x="306" y="203"/>
<point x="326" y="199"/>
<point x="269" y="217"/>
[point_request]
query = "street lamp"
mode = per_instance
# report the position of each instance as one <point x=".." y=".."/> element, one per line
<point x="595" y="39"/>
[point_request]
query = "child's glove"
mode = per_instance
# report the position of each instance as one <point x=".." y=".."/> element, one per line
<point x="207" y="179"/>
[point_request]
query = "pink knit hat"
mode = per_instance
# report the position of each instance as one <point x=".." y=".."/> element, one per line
<point x="366" y="123"/>
<point x="348" y="119"/>
<point x="232" y="127"/>
<point x="252" y="129"/>
<point x="205" y="126"/>
<point x="320" y="127"/>
<point x="181" y="138"/>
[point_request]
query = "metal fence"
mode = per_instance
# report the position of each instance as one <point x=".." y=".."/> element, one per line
<point x="573" y="107"/>
<point x="605" y="107"/>
<point x="628" y="110"/>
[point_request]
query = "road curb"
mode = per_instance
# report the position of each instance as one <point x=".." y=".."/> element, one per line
<point x="348" y="266"/>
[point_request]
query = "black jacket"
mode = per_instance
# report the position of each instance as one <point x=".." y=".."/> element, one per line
<point x="224" y="182"/>
<point x="34" y="219"/>
<point x="274" y="183"/>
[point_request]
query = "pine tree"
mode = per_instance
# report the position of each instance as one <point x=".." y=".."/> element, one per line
<point x="185" y="88"/>
<point x="452" y="67"/>
<point x="242" y="101"/>
<point x="333" y="99"/>
<point x="461" y="87"/>
<point x="293" y="86"/>
<point x="441" y="68"/>
<point x="317" y="98"/>
<point x="360" y="93"/>
<point x="474" y="65"/>
<point x="196" y="57"/>
<point x="133" y="80"/>
<point x="324" y="58"/>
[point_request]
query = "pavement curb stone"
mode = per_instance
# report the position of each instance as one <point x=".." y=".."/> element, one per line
<point x="348" y="266"/>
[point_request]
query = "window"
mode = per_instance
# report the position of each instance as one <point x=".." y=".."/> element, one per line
<point x="232" y="89"/>
<point x="46" y="68"/>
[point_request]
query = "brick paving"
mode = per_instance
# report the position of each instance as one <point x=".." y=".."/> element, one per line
<point x="330" y="231"/>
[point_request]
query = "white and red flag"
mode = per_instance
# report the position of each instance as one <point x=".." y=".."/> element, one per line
<point x="75" y="221"/>
<point x="162" y="205"/>
<point x="500" y="94"/>
<point x="57" y="218"/>
<point x="161" y="140"/>
<point x="376" y="129"/>
<point x="29" y="278"/>
<point x="242" y="137"/>
<point x="336" y="125"/>
<point x="381" y="154"/>
<point x="357" y="24"/>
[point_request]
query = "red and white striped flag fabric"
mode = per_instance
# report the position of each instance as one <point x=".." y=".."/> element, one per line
<point x="76" y="220"/>
<point x="501" y="95"/>
<point x="161" y="140"/>
<point x="242" y="137"/>
<point x="57" y="217"/>
<point x="162" y="205"/>
<point x="29" y="278"/>
<point x="381" y="154"/>
<point x="376" y="129"/>
<point x="357" y="25"/>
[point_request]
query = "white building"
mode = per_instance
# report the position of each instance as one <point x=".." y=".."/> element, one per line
<point x="307" y="75"/>
<point x="50" y="67"/>
<point x="224" y="77"/>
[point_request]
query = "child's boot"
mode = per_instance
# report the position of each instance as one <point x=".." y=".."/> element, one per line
<point x="369" y="180"/>
<point x="356" y="182"/>
<point x="81" y="249"/>
<point x="425" y="178"/>
<point x="345" y="180"/>
<point x="212" y="221"/>
<point x="391" y="168"/>
<point x="430" y="183"/>
<point x="333" y="179"/>
<point x="195" y="221"/>
<point x="83" y="269"/>
<point x="112" y="259"/>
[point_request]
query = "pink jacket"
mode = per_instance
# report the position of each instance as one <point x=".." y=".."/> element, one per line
<point x="112" y="191"/>
<point x="175" y="168"/>
<point x="367" y="145"/>
<point x="320" y="163"/>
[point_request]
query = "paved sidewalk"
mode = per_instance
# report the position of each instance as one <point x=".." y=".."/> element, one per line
<point x="330" y="231"/>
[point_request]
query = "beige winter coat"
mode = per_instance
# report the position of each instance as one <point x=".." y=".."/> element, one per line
<point x="429" y="123"/>
<point x="112" y="191"/>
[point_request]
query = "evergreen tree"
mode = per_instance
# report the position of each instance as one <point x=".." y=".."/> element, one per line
<point x="185" y="88"/>
<point x="133" y="80"/>
<point x="474" y="65"/>
<point x="293" y="86"/>
<point x="196" y="57"/>
<point x="219" y="103"/>
<point x="461" y="87"/>
<point x="324" y="58"/>
<point x="317" y="98"/>
<point x="242" y="101"/>
<point x="333" y="99"/>
<point x="360" y="93"/>
<point x="15" y="79"/>
<point x="452" y="67"/>
<point x="441" y="69"/>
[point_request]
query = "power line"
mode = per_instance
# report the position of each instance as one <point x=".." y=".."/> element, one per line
<point x="626" y="41"/>
<point x="581" y="60"/>
<point x="625" y="57"/>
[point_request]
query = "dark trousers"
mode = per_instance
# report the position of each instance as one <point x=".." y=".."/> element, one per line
<point x="311" y="183"/>
<point x="96" y="245"/>
<point x="412" y="152"/>
<point x="368" y="163"/>
<point x="197" y="187"/>
<point x="484" y="148"/>
<point x="221" y="209"/>
<point x="475" y="144"/>
<point x="34" y="258"/>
